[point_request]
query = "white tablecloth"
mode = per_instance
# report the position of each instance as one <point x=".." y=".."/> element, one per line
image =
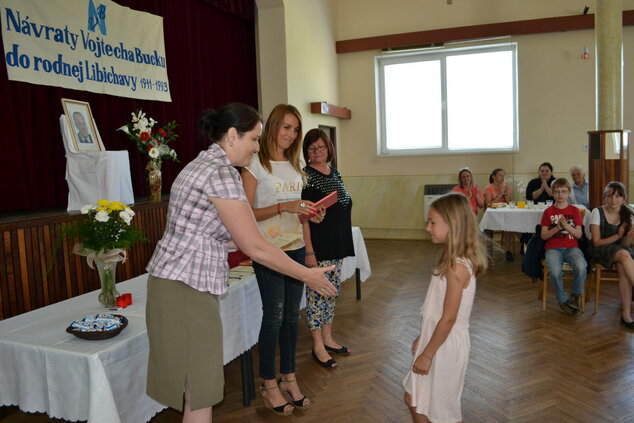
<point x="359" y="261"/>
<point x="95" y="175"/>
<point x="515" y="219"/>
<point x="44" y="369"/>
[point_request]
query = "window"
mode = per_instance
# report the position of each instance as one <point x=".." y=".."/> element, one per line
<point x="439" y="102"/>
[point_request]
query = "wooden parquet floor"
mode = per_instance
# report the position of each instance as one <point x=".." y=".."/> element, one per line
<point x="526" y="365"/>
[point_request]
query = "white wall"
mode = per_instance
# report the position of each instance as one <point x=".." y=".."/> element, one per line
<point x="556" y="96"/>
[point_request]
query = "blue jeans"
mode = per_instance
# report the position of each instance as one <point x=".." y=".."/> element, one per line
<point x="555" y="258"/>
<point x="281" y="296"/>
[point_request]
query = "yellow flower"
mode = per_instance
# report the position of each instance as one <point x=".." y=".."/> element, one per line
<point x="117" y="206"/>
<point x="103" y="203"/>
<point x="101" y="209"/>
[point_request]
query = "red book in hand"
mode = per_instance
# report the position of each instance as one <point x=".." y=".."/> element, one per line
<point x="324" y="203"/>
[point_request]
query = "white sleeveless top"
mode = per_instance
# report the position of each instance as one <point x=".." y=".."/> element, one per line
<point x="434" y="300"/>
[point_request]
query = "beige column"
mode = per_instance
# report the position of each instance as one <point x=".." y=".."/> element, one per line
<point x="608" y="24"/>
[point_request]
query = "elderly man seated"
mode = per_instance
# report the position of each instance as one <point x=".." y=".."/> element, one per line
<point x="579" y="194"/>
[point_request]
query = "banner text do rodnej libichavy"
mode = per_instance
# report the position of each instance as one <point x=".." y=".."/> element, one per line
<point x="92" y="61"/>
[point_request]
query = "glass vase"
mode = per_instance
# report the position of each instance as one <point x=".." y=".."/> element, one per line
<point x="154" y="179"/>
<point x="108" y="277"/>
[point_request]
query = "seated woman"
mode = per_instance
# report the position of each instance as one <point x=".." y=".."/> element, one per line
<point x="612" y="232"/>
<point x="538" y="189"/>
<point x="472" y="192"/>
<point x="499" y="191"/>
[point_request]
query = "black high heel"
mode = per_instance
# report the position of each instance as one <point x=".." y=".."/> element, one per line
<point x="282" y="410"/>
<point x="300" y="403"/>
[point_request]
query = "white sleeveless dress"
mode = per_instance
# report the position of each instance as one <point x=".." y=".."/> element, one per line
<point x="437" y="394"/>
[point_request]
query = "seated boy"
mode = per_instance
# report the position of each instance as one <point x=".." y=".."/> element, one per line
<point x="561" y="228"/>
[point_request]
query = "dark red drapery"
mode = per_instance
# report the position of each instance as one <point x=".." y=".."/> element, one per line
<point x="210" y="50"/>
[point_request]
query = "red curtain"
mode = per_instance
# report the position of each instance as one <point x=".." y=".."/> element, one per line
<point x="210" y="50"/>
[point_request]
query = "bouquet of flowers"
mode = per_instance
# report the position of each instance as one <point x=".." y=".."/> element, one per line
<point x="108" y="227"/>
<point x="103" y="239"/>
<point x="152" y="143"/>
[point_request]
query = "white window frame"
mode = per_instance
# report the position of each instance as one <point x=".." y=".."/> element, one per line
<point x="382" y="61"/>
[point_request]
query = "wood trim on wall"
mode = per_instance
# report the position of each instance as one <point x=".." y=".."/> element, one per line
<point x="27" y="246"/>
<point x="464" y="33"/>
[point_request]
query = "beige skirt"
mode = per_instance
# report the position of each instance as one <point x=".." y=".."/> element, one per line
<point x="185" y="334"/>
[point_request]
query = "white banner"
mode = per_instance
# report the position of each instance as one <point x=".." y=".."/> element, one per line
<point x="90" y="45"/>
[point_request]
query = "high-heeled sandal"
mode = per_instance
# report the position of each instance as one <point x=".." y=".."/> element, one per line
<point x="300" y="403"/>
<point x="283" y="410"/>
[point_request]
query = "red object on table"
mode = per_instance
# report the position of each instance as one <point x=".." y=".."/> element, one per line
<point x="237" y="257"/>
<point x="121" y="302"/>
<point x="124" y="300"/>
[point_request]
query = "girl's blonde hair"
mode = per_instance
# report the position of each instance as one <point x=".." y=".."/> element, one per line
<point x="464" y="238"/>
<point x="268" y="140"/>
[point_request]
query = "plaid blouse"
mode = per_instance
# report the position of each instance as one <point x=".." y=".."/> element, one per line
<point x="194" y="245"/>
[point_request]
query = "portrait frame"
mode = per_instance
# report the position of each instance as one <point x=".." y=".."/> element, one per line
<point x="91" y="141"/>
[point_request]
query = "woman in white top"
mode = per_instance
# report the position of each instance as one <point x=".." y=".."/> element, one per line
<point x="273" y="183"/>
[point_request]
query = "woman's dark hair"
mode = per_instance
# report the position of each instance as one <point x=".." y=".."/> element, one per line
<point x="312" y="137"/>
<point x="493" y="173"/>
<point x="625" y="214"/>
<point x="548" y="165"/>
<point x="214" y="125"/>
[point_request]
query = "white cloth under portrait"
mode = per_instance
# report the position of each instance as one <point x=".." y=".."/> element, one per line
<point x="95" y="175"/>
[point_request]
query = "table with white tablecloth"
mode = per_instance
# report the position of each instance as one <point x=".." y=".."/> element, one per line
<point x="512" y="219"/>
<point x="358" y="265"/>
<point x="44" y="369"/>
<point x="521" y="220"/>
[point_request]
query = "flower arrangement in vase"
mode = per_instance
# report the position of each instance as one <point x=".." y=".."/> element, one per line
<point x="154" y="143"/>
<point x="103" y="237"/>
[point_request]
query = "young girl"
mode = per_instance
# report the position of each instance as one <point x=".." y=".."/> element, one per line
<point x="612" y="233"/>
<point x="441" y="352"/>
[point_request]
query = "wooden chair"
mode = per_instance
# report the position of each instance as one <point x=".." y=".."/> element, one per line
<point x="567" y="277"/>
<point x="601" y="274"/>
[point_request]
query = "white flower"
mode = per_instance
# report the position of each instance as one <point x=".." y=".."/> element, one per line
<point x="164" y="149"/>
<point x="129" y="211"/>
<point x="124" y="128"/>
<point x="154" y="153"/>
<point x="102" y="216"/>
<point x="141" y="125"/>
<point x="86" y="209"/>
<point x="136" y="118"/>
<point x="125" y="217"/>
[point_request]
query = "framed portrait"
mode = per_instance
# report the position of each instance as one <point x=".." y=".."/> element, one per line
<point x="81" y="125"/>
